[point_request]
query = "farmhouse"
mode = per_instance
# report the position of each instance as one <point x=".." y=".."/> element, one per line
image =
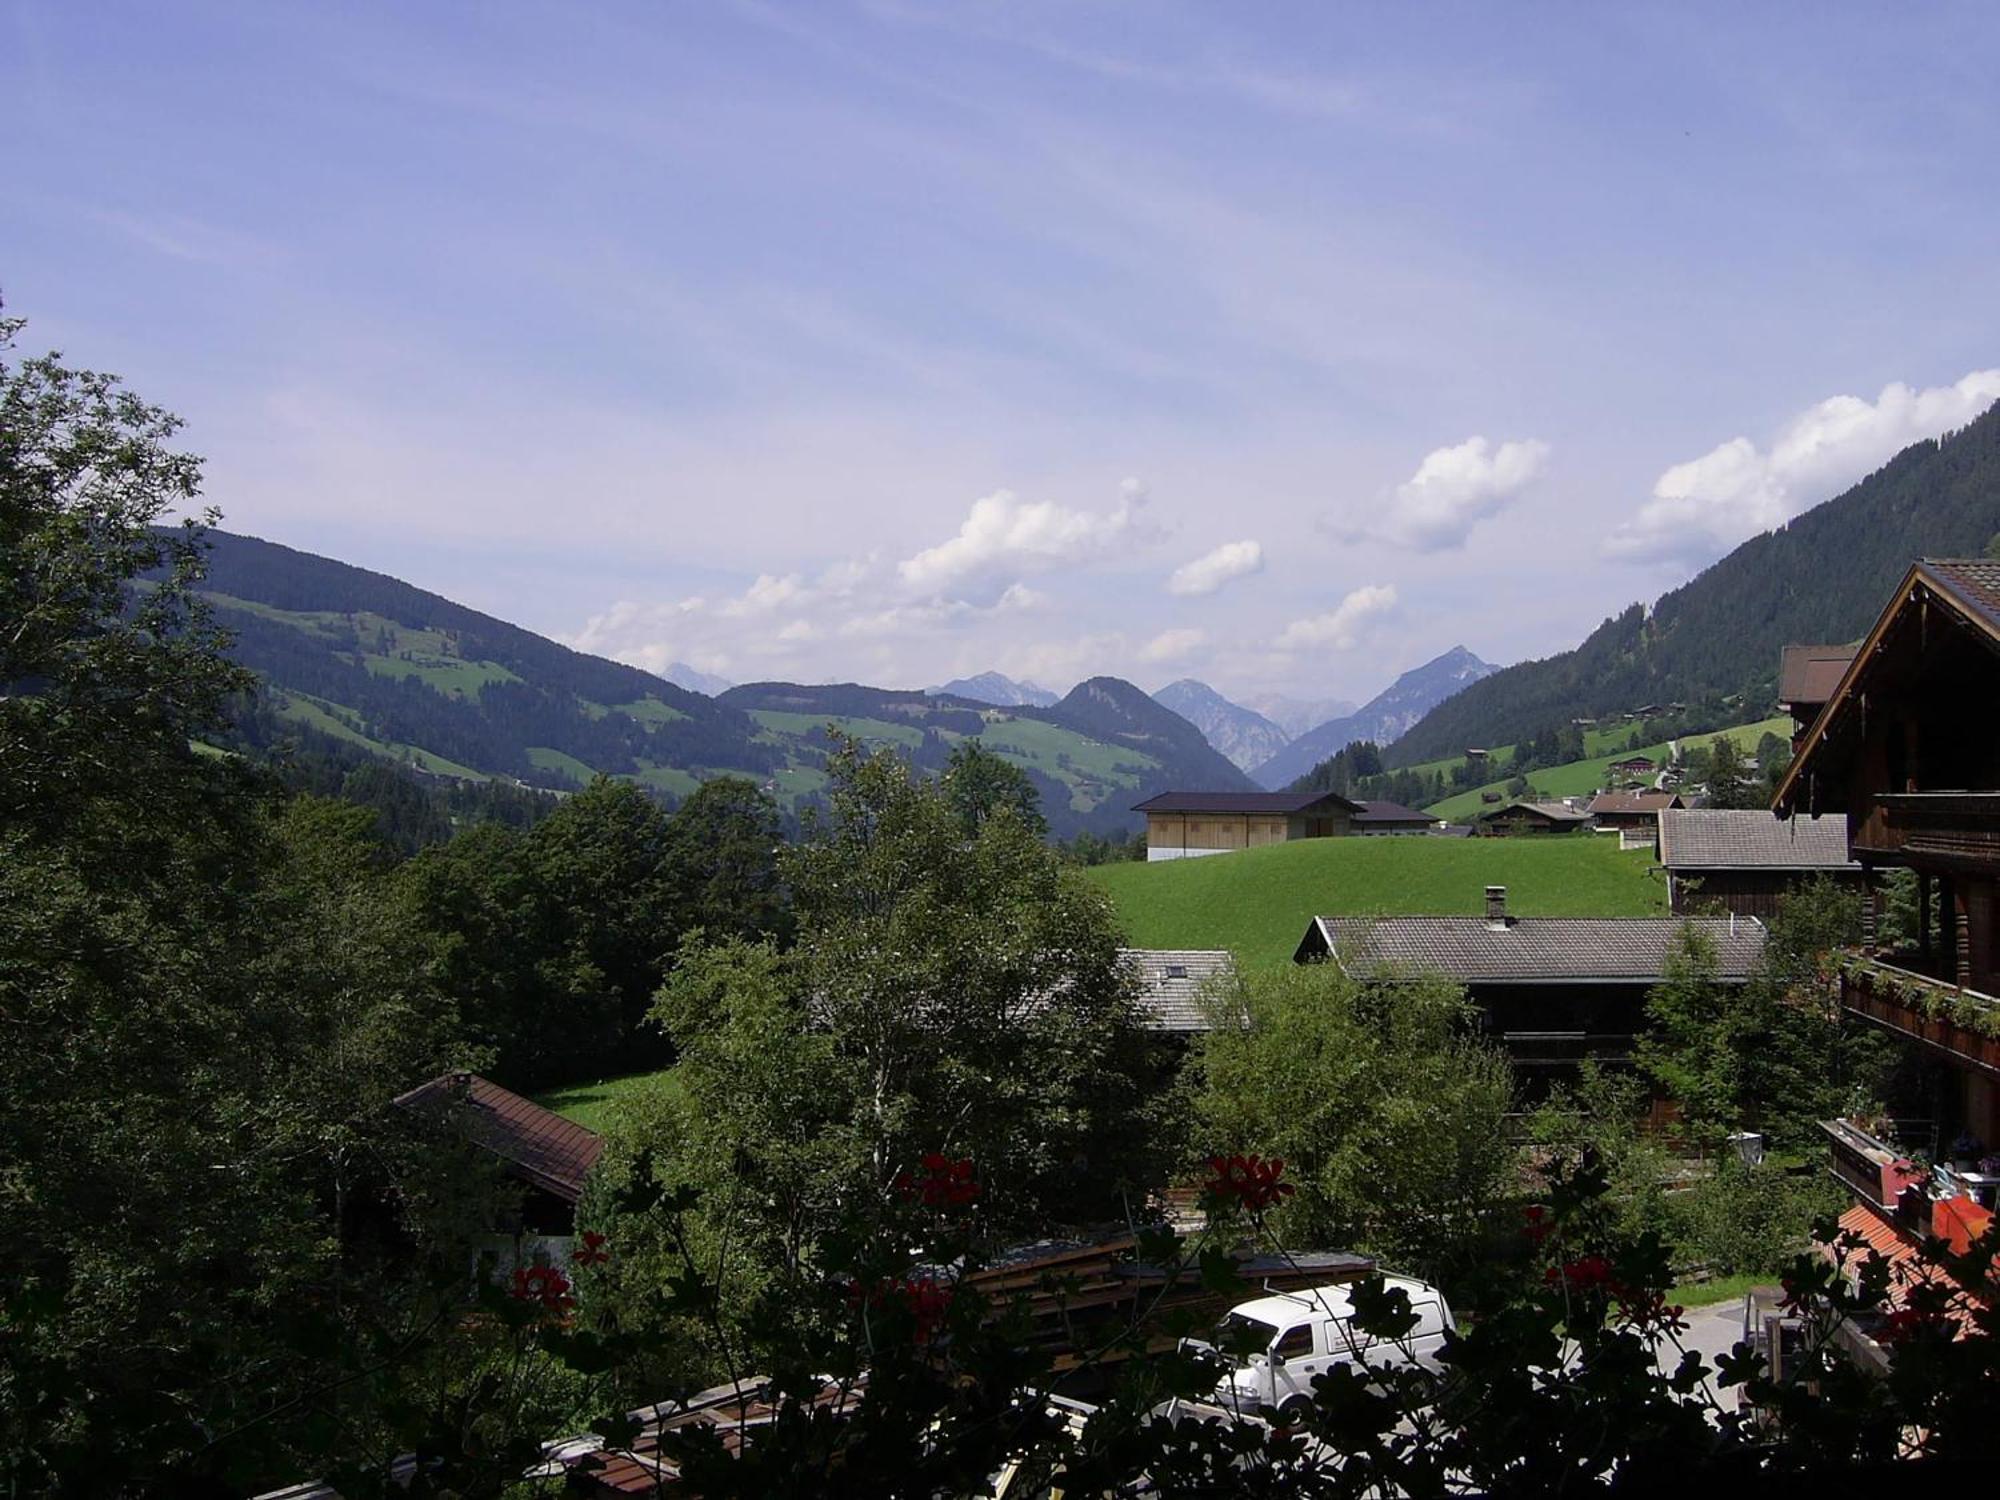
<point x="1550" y="990"/>
<point x="1745" y="861"/>
<point x="1378" y="818"/>
<point x="1533" y="817"/>
<point x="1172" y="982"/>
<point x="1901" y="750"/>
<point x="1181" y="825"/>
<point x="1634" y="765"/>
<point x="1635" y="810"/>
<point x="548" y="1156"/>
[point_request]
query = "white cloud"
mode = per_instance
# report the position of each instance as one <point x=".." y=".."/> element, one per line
<point x="1212" y="570"/>
<point x="1455" y="488"/>
<point x="1343" y="625"/>
<point x="1002" y="534"/>
<point x="1707" y="505"/>
<point x="1171" y="645"/>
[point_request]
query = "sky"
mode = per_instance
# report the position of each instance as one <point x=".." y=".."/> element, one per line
<point x="1283" y="346"/>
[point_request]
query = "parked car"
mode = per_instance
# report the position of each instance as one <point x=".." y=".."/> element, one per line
<point x="1294" y="1336"/>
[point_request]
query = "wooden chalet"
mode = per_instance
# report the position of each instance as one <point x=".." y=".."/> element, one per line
<point x="1181" y="825"/>
<point x="1550" y="990"/>
<point x="1638" y="811"/>
<point x="1533" y="818"/>
<point x="1904" y="753"/>
<point x="1746" y="861"/>
<point x="548" y="1156"/>
<point x="1635" y="765"/>
<point x="1379" y="818"/>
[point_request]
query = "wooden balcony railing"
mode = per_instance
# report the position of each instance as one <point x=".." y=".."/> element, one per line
<point x="1876" y="1171"/>
<point x="1960" y="829"/>
<point x="1949" y="1018"/>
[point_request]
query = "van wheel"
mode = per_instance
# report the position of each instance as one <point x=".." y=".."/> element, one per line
<point x="1295" y="1410"/>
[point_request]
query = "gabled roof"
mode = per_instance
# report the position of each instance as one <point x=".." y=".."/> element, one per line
<point x="1808" y="675"/>
<point x="1171" y="983"/>
<point x="1527" y="949"/>
<point x="1284" y="803"/>
<point x="1560" y="812"/>
<point x="1968" y="587"/>
<point x="1391" y="812"/>
<point x="1632" y="802"/>
<point x="538" y="1145"/>
<point x="1712" y="838"/>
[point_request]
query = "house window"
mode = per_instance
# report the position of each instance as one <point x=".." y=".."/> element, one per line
<point x="1176" y="971"/>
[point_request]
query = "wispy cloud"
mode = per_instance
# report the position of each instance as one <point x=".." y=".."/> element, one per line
<point x="1343" y="626"/>
<point x="1210" y="571"/>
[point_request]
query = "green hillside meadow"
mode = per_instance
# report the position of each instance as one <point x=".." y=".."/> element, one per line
<point x="1579" y="777"/>
<point x="1257" y="902"/>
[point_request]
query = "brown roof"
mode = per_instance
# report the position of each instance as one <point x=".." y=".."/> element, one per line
<point x="1632" y="802"/>
<point x="539" y="1146"/>
<point x="1528" y="949"/>
<point x="1713" y="838"/>
<point x="1557" y="812"/>
<point x="1391" y="812"/>
<point x="1973" y="582"/>
<point x="1807" y="675"/>
<point x="1242" y="802"/>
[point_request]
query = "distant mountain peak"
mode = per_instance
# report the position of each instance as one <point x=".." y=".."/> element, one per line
<point x="681" y="675"/>
<point x="997" y="689"/>
<point x="1242" y="734"/>
<point x="1383" y="718"/>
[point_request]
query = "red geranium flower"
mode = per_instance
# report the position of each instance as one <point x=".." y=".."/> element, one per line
<point x="945" y="1183"/>
<point x="591" y="1252"/>
<point x="1250" y="1180"/>
<point x="543" y="1284"/>
<point x="1538" y="1227"/>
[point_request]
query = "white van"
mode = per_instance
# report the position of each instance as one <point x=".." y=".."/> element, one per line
<point x="1306" y="1333"/>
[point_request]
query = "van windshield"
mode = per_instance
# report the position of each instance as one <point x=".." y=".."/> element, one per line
<point x="1239" y="1337"/>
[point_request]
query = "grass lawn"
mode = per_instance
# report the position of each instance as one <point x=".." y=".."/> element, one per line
<point x="1581" y="776"/>
<point x="1257" y="902"/>
<point x="1720" y="1289"/>
<point x="591" y="1104"/>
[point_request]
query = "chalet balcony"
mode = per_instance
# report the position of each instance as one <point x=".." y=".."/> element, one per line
<point x="1878" y="1172"/>
<point x="1957" y="829"/>
<point x="1962" y="1023"/>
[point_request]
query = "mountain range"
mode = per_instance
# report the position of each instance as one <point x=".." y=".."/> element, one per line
<point x="1383" y="718"/>
<point x="1297" y="715"/>
<point x="1713" y="644"/>
<point x="997" y="689"/>
<point x="358" y="663"/>
<point x="1244" y="735"/>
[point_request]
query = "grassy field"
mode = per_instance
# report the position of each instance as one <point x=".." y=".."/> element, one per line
<point x="1581" y="776"/>
<point x="1257" y="902"/>
<point x="591" y="1104"/>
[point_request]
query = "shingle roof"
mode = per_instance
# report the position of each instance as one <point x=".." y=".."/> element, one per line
<point x="538" y="1145"/>
<point x="1809" y="674"/>
<point x="1710" y="838"/>
<point x="1241" y="802"/>
<point x="1468" y="949"/>
<point x="1171" y="983"/>
<point x="1632" y="802"/>
<point x="1391" y="812"/>
<point x="1972" y="582"/>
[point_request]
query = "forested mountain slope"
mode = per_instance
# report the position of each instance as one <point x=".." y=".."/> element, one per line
<point x="1715" y="641"/>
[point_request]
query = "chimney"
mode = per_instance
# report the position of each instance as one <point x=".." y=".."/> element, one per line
<point x="1496" y="907"/>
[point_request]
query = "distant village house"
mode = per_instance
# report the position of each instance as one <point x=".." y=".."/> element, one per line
<point x="1747" y="861"/>
<point x="1533" y="818"/>
<point x="1182" y="825"/>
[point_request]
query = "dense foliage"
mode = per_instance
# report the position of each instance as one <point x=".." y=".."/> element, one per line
<point x="1715" y="641"/>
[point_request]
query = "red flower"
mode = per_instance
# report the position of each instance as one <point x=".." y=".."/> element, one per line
<point x="592" y="1251"/>
<point x="1250" y="1180"/>
<point x="1586" y="1273"/>
<point x="1908" y="1322"/>
<point x="944" y="1184"/>
<point x="543" y="1284"/>
<point x="927" y="1300"/>
<point x="1538" y="1227"/>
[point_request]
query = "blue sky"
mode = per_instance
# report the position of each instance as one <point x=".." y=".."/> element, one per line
<point x="1281" y="345"/>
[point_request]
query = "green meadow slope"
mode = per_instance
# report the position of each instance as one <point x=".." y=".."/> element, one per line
<point x="1579" y="777"/>
<point x="1257" y="902"/>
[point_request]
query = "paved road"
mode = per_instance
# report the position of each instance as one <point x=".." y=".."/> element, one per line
<point x="1712" y="1331"/>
